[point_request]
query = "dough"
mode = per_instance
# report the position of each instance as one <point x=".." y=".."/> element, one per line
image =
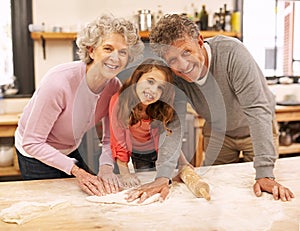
<point x="25" y="211"/>
<point x="177" y="191"/>
<point x="119" y="198"/>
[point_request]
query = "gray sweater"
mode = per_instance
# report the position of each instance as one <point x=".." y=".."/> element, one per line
<point x="235" y="100"/>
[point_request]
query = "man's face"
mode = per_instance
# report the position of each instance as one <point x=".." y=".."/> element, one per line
<point x="186" y="58"/>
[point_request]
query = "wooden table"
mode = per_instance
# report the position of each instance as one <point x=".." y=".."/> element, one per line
<point x="233" y="205"/>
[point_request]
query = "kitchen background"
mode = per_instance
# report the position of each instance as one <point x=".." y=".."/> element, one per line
<point x="72" y="14"/>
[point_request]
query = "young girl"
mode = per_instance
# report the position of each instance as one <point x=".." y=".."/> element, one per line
<point x="139" y="113"/>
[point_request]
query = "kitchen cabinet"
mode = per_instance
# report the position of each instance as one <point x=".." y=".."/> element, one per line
<point x="8" y="125"/>
<point x="288" y="114"/>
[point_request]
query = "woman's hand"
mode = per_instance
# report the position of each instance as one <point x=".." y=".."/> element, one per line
<point x="129" y="180"/>
<point x="160" y="185"/>
<point x="88" y="182"/>
<point x="273" y="187"/>
<point x="109" y="179"/>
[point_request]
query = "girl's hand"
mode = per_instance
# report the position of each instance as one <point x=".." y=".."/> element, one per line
<point x="109" y="179"/>
<point x="129" y="180"/>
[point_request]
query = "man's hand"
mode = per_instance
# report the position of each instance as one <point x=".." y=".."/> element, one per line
<point x="110" y="180"/>
<point x="160" y="185"/>
<point x="88" y="182"/>
<point x="129" y="180"/>
<point x="273" y="187"/>
<point x="180" y="167"/>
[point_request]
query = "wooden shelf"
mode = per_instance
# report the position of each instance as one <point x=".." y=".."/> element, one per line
<point x="294" y="148"/>
<point x="143" y="34"/>
<point x="205" y="34"/>
<point x="208" y="34"/>
<point x="54" y="35"/>
<point x="9" y="171"/>
<point x="67" y="35"/>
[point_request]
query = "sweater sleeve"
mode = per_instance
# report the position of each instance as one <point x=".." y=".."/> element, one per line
<point x="170" y="145"/>
<point x="46" y="109"/>
<point x="248" y="83"/>
<point x="119" y="146"/>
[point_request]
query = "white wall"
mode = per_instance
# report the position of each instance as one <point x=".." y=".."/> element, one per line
<point x="71" y="14"/>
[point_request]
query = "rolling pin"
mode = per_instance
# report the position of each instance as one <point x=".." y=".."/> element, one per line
<point x="194" y="182"/>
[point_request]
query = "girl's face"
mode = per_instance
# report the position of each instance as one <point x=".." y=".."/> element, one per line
<point x="110" y="57"/>
<point x="150" y="86"/>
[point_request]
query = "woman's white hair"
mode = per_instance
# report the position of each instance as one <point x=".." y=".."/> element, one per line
<point x="92" y="35"/>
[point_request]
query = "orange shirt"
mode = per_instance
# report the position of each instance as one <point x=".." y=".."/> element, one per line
<point x="142" y="141"/>
<point x="122" y="140"/>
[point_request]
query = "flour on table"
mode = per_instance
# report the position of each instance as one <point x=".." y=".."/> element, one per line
<point x="119" y="198"/>
<point x="177" y="190"/>
<point x="25" y="211"/>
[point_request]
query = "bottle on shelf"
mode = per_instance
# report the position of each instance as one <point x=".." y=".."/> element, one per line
<point x="203" y="16"/>
<point x="217" y="25"/>
<point x="222" y="18"/>
<point x="227" y="19"/>
<point x="194" y="13"/>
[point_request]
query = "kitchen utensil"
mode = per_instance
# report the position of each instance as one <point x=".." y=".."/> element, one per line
<point x="6" y="156"/>
<point x="194" y="182"/>
<point x="145" y="20"/>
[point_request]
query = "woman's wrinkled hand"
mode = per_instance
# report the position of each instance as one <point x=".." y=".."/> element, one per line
<point x="88" y="182"/>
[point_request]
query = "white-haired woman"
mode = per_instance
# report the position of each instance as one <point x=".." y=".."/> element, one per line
<point x="72" y="98"/>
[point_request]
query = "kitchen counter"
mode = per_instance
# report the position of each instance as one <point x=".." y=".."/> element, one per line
<point x="233" y="206"/>
<point x="8" y="124"/>
<point x="283" y="114"/>
<point x="287" y="113"/>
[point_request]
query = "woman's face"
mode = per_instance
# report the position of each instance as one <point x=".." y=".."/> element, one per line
<point x="110" y="57"/>
<point x="150" y="86"/>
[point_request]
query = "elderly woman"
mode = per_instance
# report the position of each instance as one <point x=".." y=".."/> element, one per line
<point x="71" y="99"/>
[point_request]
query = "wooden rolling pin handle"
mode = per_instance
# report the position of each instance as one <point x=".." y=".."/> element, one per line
<point x="194" y="182"/>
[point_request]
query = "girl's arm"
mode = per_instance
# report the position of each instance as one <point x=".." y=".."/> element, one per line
<point x="128" y="180"/>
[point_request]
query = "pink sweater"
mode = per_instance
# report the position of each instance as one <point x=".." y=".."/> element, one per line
<point x="59" y="113"/>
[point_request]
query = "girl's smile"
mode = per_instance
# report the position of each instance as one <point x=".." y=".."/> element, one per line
<point x="150" y="86"/>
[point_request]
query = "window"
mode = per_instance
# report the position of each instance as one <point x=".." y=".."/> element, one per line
<point x="271" y="34"/>
<point x="17" y="60"/>
<point x="6" y="52"/>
